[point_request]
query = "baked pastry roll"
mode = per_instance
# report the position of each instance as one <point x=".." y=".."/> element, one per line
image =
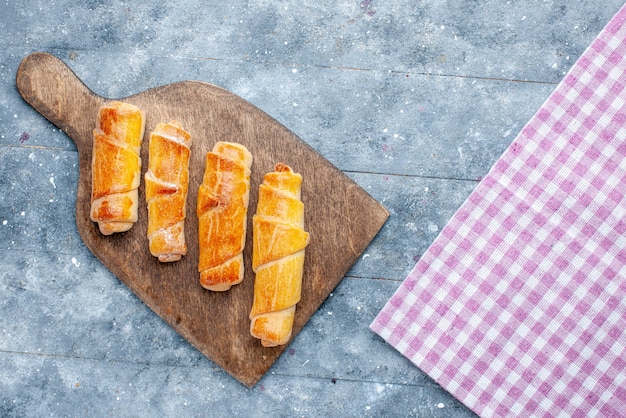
<point x="167" y="182"/>
<point x="222" y="215"/>
<point x="279" y="240"/>
<point x="116" y="166"/>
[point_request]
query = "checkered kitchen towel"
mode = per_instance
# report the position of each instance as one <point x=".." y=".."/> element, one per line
<point x="519" y="306"/>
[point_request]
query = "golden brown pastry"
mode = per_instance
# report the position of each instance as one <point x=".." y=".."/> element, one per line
<point x="116" y="166"/>
<point x="278" y="239"/>
<point x="222" y="211"/>
<point x="167" y="181"/>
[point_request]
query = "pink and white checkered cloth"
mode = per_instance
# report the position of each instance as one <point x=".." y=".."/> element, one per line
<point x="518" y="308"/>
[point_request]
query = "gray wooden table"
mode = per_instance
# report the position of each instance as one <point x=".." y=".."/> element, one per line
<point x="414" y="100"/>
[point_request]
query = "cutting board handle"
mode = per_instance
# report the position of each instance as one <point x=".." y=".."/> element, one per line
<point x="52" y="89"/>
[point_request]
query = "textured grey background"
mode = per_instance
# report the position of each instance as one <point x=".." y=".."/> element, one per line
<point x="415" y="100"/>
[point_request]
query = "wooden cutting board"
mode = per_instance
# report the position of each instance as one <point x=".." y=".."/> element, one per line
<point x="341" y="217"/>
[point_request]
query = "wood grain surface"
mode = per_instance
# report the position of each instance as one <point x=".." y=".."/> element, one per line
<point x="340" y="216"/>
